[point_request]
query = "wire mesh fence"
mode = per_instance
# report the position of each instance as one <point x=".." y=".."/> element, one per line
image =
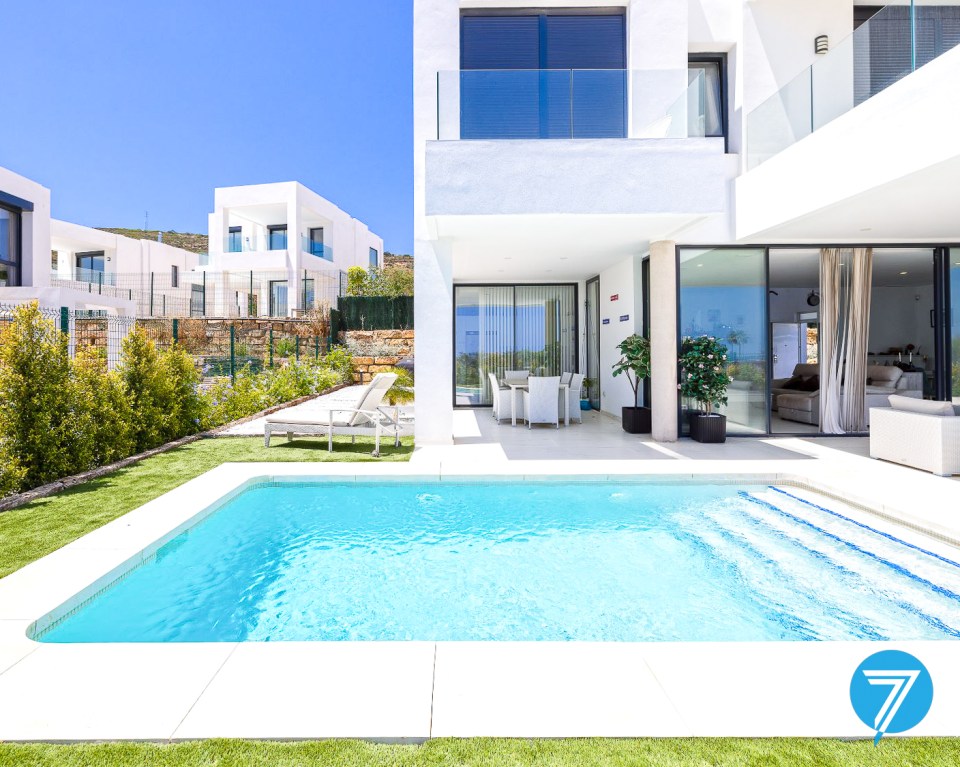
<point x="219" y="346"/>
<point x="213" y="293"/>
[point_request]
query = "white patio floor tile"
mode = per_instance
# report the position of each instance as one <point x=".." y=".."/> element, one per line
<point x="104" y="692"/>
<point x="375" y="690"/>
<point x="543" y="689"/>
<point x="788" y="689"/>
<point x="14" y="645"/>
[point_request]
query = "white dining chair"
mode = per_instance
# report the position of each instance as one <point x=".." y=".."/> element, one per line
<point x="503" y="400"/>
<point x="565" y="378"/>
<point x="573" y="400"/>
<point x="516" y="376"/>
<point x="495" y="391"/>
<point x="540" y="400"/>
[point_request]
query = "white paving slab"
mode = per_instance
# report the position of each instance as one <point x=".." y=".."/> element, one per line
<point x="549" y="690"/>
<point x="105" y="692"/>
<point x="276" y="690"/>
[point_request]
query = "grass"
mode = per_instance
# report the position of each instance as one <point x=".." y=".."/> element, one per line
<point x="692" y="752"/>
<point x="34" y="530"/>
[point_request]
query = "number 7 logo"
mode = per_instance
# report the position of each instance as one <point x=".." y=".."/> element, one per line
<point x="906" y="703"/>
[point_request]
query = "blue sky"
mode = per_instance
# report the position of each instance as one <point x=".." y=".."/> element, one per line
<point x="126" y="107"/>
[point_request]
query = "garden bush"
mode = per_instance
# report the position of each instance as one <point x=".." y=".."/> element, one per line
<point x="60" y="416"/>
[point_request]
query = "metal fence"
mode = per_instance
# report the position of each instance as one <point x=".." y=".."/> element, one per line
<point x="220" y="347"/>
<point x="214" y="293"/>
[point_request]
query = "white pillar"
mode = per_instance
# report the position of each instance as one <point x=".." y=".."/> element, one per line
<point x="433" y="319"/>
<point x="663" y="340"/>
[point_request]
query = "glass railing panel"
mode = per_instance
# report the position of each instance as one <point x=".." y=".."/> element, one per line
<point x="314" y="248"/>
<point x="894" y="42"/>
<point x="532" y="104"/>
<point x="781" y="120"/>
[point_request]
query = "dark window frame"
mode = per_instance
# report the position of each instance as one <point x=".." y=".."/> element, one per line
<point x="271" y="228"/>
<point x="514" y="285"/>
<point x="721" y="60"/>
<point x="15" y="262"/>
<point x="91" y="254"/>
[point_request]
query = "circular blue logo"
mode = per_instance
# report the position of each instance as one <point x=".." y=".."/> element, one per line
<point x="891" y="691"/>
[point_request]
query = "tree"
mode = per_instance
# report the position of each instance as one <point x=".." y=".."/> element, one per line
<point x="635" y="362"/>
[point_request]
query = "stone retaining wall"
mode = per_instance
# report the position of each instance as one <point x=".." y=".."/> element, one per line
<point x="375" y="351"/>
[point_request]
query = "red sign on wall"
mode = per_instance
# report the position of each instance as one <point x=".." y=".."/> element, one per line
<point x="615" y="297"/>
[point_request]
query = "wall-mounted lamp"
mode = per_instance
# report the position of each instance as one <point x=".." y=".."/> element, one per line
<point x="821" y="43"/>
<point x="813" y="299"/>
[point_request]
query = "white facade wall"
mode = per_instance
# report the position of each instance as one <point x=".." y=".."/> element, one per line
<point x="35" y="227"/>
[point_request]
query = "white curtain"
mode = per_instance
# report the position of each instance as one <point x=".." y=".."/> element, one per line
<point x="845" y="290"/>
<point x="857" y="332"/>
<point x="831" y="340"/>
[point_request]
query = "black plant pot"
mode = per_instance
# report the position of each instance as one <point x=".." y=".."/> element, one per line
<point x="636" y="420"/>
<point x="708" y="428"/>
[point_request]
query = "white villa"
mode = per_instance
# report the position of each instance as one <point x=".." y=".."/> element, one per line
<point x="288" y="239"/>
<point x="589" y="170"/>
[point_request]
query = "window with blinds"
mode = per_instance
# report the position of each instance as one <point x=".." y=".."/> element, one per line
<point x="543" y="75"/>
<point x="511" y="327"/>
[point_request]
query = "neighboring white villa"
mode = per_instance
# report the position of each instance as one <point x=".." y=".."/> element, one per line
<point x="91" y="255"/>
<point x="585" y="171"/>
<point x="288" y="239"/>
<point x="25" y="251"/>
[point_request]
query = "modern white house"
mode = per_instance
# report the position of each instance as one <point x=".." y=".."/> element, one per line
<point x="26" y="245"/>
<point x="589" y="170"/>
<point x="83" y="254"/>
<point x="285" y="245"/>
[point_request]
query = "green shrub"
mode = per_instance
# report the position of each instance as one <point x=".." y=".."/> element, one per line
<point x="187" y="408"/>
<point x="37" y="440"/>
<point x="339" y="360"/>
<point x="703" y="372"/>
<point x="401" y="393"/>
<point x="103" y="417"/>
<point x="148" y="390"/>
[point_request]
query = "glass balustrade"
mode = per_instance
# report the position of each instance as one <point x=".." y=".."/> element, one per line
<point x="569" y="104"/>
<point x="315" y="248"/>
<point x="883" y="50"/>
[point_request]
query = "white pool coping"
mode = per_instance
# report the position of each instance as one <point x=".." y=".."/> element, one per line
<point x="412" y="691"/>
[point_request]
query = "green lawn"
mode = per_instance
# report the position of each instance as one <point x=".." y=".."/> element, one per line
<point x="32" y="531"/>
<point x="513" y="753"/>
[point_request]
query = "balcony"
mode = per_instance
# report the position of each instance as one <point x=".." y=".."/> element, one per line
<point x="317" y="249"/>
<point x="892" y="44"/>
<point x="234" y="243"/>
<point x="495" y="104"/>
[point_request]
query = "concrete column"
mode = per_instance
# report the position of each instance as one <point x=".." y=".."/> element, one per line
<point x="294" y="260"/>
<point x="433" y="319"/>
<point x="663" y="339"/>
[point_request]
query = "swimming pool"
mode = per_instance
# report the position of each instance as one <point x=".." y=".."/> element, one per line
<point x="524" y="561"/>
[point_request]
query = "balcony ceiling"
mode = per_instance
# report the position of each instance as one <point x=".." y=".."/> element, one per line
<point x="550" y="247"/>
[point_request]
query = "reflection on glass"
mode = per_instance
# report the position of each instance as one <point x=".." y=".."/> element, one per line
<point x="234" y="241"/>
<point x="723" y="294"/>
<point x="709" y="111"/>
<point x="506" y="327"/>
<point x="278" y="298"/>
<point x="955" y="319"/>
<point x="9" y="224"/>
<point x="278" y="238"/>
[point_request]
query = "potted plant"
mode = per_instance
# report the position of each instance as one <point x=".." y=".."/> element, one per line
<point x="635" y="363"/>
<point x="704" y="379"/>
<point x="588" y="384"/>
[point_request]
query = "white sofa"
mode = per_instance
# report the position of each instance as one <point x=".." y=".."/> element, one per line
<point x="918" y="433"/>
<point x="882" y="381"/>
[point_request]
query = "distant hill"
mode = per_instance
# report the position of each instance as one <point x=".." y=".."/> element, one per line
<point x="195" y="243"/>
<point x="397" y="259"/>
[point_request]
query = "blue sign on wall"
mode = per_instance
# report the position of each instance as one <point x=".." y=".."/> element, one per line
<point x="624" y="317"/>
<point x="606" y="322"/>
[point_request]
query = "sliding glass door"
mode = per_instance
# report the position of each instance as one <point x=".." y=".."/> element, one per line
<point x="723" y="293"/>
<point x="954" y="322"/>
<point x="593" y="340"/>
<point x="511" y="327"/>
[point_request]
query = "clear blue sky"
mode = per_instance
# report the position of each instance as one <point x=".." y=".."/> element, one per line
<point x="124" y="107"/>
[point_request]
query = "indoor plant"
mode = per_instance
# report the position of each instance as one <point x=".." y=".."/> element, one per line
<point x="635" y="362"/>
<point x="586" y="386"/>
<point x="704" y="379"/>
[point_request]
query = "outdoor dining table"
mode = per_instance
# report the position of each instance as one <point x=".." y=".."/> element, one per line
<point x="564" y="390"/>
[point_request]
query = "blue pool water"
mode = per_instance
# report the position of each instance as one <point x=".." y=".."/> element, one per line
<point x="524" y="561"/>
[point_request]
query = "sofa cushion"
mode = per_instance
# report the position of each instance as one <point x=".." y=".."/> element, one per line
<point x="883" y="375"/>
<point x="794" y="383"/>
<point x="806" y="369"/>
<point x="802" y="402"/>
<point x="812" y="383"/>
<point x="925" y="406"/>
